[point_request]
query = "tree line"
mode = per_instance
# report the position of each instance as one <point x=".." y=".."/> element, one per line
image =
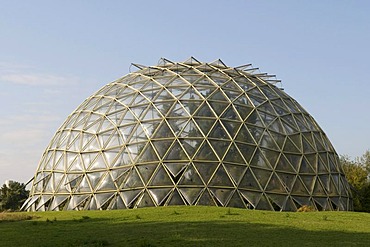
<point x="357" y="172"/>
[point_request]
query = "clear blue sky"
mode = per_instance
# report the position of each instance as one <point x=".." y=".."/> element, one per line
<point x="54" y="54"/>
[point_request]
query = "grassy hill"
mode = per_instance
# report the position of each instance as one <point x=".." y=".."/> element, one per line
<point x="184" y="226"/>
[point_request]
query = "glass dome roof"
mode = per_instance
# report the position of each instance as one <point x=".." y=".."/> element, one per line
<point x="190" y="133"/>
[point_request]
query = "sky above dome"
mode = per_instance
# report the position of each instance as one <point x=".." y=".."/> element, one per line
<point x="54" y="54"/>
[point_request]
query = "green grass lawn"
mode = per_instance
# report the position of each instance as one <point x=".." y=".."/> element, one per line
<point x="184" y="226"/>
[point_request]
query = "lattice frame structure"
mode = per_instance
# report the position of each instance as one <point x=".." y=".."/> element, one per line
<point x="190" y="133"/>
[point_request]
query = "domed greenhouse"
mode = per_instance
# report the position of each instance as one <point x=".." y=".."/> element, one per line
<point x="190" y="133"/>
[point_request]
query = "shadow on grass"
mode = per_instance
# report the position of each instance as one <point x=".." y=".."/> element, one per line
<point x="102" y="232"/>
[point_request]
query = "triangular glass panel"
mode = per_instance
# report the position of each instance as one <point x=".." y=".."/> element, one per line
<point x="259" y="160"/>
<point x="291" y="105"/>
<point x="218" y="95"/>
<point x="218" y="107"/>
<point x="231" y="85"/>
<point x="318" y="141"/>
<point x="190" y="177"/>
<point x="278" y="140"/>
<point x="267" y="141"/>
<point x="309" y="181"/>
<point x="246" y="151"/>
<point x="206" y="199"/>
<point x="251" y="198"/>
<point x="129" y="118"/>
<point x="106" y="184"/>
<point x="333" y="190"/>
<point x="230" y="114"/>
<point x="255" y="119"/>
<point x="76" y="165"/>
<point x="243" y="110"/>
<point x="192" y="61"/>
<point x="129" y="196"/>
<point x="176" y="199"/>
<point x="145" y="201"/>
<point x="205" y="87"/>
<point x="256" y="132"/>
<point x="295" y="160"/>
<point x="305" y="167"/>
<point x="151" y="113"/>
<point x="220" y="147"/>
<point x="74" y="143"/>
<point x="233" y="155"/>
<point x="177" y="124"/>
<point x="59" y="161"/>
<point x="236" y="201"/>
<point x="163" y="131"/>
<point x="276" y="126"/>
<point x="205" y="153"/>
<point x="318" y="189"/>
<point x="190" y="194"/>
<point x="277" y="201"/>
<point x="112" y="156"/>
<point x="126" y="131"/>
<point x="302" y="201"/>
<point x="262" y="176"/>
<point x="162" y="146"/>
<point x="98" y="163"/>
<point x="290" y="146"/>
<point x="204" y="111"/>
<point x="301" y="122"/>
<point x="147" y="154"/>
<point x="271" y="156"/>
<point x="146" y="171"/>
<point x="289" y="120"/>
<point x="266" y="118"/>
<point x="264" y="204"/>
<point x="164" y="107"/>
<point x="84" y="185"/>
<point x="323" y="203"/>
<point x="322" y="165"/>
<point x="190" y="130"/>
<point x="176" y="152"/>
<point x="205" y="170"/>
<point x="218" y="132"/>
<point x="150" y="127"/>
<point x="221" y="178"/>
<point x="222" y="195"/>
<point x="244" y="135"/>
<point x="235" y="171"/>
<point x="284" y="165"/>
<point x="191" y="106"/>
<point x="132" y="180"/>
<point x="280" y="106"/>
<point x="333" y="163"/>
<point x="325" y="181"/>
<point x="248" y="181"/>
<point x="287" y="180"/>
<point x="164" y="96"/>
<point x="299" y="188"/>
<point x="160" y="178"/>
<point x="274" y="185"/>
<point x="190" y="146"/>
<point x="159" y="195"/>
<point x="290" y="205"/>
<point x="103" y="199"/>
<point x="191" y="94"/>
<point x="175" y="168"/>
<point x="119" y="175"/>
<point x="232" y="127"/>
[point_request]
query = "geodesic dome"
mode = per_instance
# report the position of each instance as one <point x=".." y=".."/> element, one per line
<point x="190" y="133"/>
